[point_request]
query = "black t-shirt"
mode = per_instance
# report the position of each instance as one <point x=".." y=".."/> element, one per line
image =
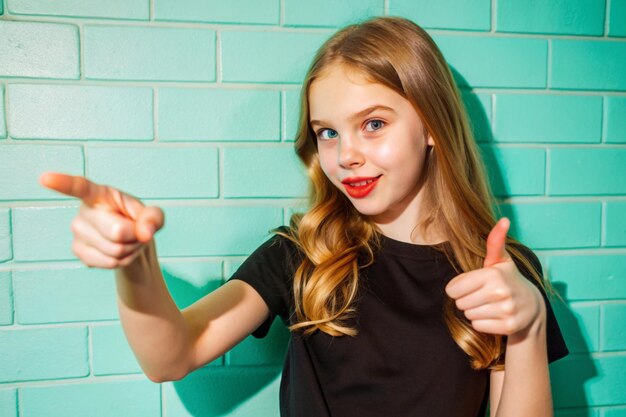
<point x="403" y="362"/>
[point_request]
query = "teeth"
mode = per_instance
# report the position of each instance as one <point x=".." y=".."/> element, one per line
<point x="361" y="183"/>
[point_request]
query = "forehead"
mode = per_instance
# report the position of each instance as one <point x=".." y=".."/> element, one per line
<point x="342" y="90"/>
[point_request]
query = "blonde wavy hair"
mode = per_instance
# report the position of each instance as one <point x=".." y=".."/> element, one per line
<point x="337" y="240"/>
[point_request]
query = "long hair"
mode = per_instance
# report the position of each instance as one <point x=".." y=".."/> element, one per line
<point x="337" y="240"/>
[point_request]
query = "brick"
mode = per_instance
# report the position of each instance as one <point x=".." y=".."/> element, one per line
<point x="617" y="19"/>
<point x="613" y="327"/>
<point x="496" y="61"/>
<point x="290" y="211"/>
<point x="218" y="115"/>
<point x="435" y="14"/>
<point x="515" y="171"/>
<point x="615" y="232"/>
<point x="149" y="53"/>
<point x="8" y="397"/>
<point x="43" y="354"/>
<point x="112" y="9"/>
<point x="21" y="166"/>
<point x="112" y="354"/>
<point x="589" y="171"/>
<point x="6" y="251"/>
<point x="614" y="412"/>
<point x="615" y="116"/>
<point x="291" y="109"/>
<point x="596" y="381"/>
<point x="3" y="126"/>
<point x="40" y="50"/>
<point x="580" y="325"/>
<point x="478" y="108"/>
<point x="156" y="172"/>
<point x="43" y="233"/>
<point x="188" y="282"/>
<point x="555" y="225"/>
<point x="80" y="112"/>
<point x="219" y="391"/>
<point x="328" y="13"/>
<point x="263" y="172"/>
<point x="574" y="17"/>
<point x="87" y="294"/>
<point x="590" y="277"/>
<point x="263" y="12"/>
<point x="588" y="65"/>
<point x="269" y="350"/>
<point x="547" y="118"/>
<point x="6" y="298"/>
<point x="137" y="398"/>
<point x="231" y="266"/>
<point x="267" y="57"/>
<point x="216" y="231"/>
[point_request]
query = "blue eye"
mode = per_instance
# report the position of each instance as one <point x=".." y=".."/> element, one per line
<point x="380" y="123"/>
<point x="319" y="134"/>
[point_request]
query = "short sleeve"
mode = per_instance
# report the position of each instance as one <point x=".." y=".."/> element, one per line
<point x="557" y="348"/>
<point x="269" y="270"/>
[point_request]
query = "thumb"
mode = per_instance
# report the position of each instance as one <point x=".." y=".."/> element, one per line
<point x="148" y="221"/>
<point x="496" y="251"/>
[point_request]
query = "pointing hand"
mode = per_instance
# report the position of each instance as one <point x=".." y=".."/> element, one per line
<point x="112" y="227"/>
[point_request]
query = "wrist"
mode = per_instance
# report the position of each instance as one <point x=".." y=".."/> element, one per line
<point x="536" y="329"/>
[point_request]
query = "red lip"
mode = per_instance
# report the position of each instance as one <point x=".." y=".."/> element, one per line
<point x="359" y="191"/>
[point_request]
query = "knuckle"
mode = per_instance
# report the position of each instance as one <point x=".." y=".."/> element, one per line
<point x="117" y="232"/>
<point x="117" y="250"/>
<point x="507" y="307"/>
<point x="75" y="225"/>
<point x="502" y="292"/>
<point x="510" y="324"/>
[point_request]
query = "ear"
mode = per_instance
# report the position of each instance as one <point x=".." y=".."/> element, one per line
<point x="431" y="141"/>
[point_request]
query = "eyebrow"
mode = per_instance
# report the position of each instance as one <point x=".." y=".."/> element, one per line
<point x="360" y="114"/>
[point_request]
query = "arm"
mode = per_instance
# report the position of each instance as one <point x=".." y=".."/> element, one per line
<point x="114" y="230"/>
<point x="523" y="389"/>
<point x="498" y="299"/>
<point x="169" y="343"/>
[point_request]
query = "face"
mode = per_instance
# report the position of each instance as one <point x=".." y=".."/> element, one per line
<point x="371" y="143"/>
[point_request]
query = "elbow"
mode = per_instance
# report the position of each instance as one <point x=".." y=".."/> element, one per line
<point x="159" y="377"/>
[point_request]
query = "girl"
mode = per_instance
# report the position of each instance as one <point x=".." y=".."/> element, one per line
<point x="404" y="295"/>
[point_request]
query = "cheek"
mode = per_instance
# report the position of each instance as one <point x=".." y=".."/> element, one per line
<point x="327" y="161"/>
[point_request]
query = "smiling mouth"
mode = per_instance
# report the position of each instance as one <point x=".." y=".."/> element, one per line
<point x="360" y="187"/>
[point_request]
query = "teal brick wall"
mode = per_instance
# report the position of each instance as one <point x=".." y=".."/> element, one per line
<point x="192" y="105"/>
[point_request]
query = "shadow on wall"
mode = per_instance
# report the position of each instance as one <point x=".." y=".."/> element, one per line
<point x="243" y="382"/>
<point x="568" y="376"/>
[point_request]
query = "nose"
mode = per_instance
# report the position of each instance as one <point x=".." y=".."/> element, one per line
<point x="350" y="154"/>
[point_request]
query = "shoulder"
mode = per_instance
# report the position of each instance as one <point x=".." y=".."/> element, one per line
<point x="278" y="247"/>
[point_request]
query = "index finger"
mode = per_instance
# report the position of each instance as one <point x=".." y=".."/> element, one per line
<point x="463" y="284"/>
<point x="72" y="185"/>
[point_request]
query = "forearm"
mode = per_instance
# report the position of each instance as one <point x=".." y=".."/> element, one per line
<point x="526" y="388"/>
<point x="153" y="324"/>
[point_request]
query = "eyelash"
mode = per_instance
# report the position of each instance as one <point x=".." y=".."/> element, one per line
<point x="319" y="132"/>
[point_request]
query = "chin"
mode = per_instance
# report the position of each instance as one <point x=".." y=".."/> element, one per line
<point x="367" y="209"/>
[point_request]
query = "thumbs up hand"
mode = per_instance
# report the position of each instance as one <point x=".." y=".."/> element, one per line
<point x="112" y="227"/>
<point x="497" y="298"/>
